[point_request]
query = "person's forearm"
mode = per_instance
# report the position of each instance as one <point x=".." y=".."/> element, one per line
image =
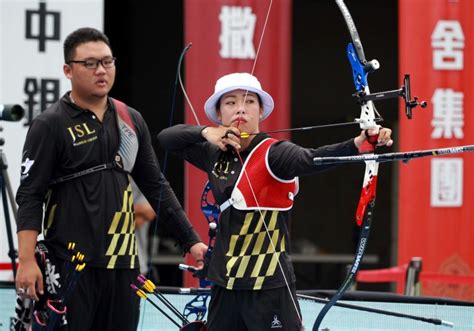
<point x="180" y="136"/>
<point x="181" y="228"/>
<point x="26" y="244"/>
<point x="288" y="160"/>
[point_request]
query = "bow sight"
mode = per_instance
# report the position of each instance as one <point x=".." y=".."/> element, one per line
<point x="403" y="92"/>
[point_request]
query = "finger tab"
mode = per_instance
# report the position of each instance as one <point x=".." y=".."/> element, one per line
<point x="371" y="139"/>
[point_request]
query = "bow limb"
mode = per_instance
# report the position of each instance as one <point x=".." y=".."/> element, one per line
<point x="360" y="70"/>
<point x="180" y="80"/>
<point x="364" y="216"/>
<point x="197" y="306"/>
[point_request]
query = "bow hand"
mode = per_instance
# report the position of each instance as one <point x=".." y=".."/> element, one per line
<point x="198" y="251"/>
<point x="29" y="279"/>
<point x="369" y="139"/>
<point x="197" y="272"/>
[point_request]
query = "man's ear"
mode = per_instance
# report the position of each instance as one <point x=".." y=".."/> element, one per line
<point x="67" y="71"/>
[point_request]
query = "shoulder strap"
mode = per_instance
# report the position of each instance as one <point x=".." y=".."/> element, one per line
<point x="123" y="113"/>
<point x="128" y="147"/>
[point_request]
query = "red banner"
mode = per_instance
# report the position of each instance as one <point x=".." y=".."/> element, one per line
<point x="436" y="194"/>
<point x="234" y="36"/>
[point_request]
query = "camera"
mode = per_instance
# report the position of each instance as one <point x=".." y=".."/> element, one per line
<point x="11" y="113"/>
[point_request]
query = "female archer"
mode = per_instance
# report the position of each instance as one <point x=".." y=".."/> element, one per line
<point x="254" y="179"/>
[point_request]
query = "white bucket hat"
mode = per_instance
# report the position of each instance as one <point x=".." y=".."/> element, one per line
<point x="237" y="81"/>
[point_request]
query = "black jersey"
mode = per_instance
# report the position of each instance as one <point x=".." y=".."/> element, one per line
<point x="244" y="257"/>
<point x="96" y="210"/>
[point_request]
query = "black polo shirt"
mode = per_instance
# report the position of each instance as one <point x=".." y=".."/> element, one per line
<point x="94" y="211"/>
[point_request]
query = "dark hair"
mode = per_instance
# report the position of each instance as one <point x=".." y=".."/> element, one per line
<point x="80" y="36"/>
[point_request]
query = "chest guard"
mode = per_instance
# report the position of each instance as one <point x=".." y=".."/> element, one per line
<point x="271" y="192"/>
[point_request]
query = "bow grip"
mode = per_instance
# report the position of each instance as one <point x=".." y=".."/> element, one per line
<point x="368" y="146"/>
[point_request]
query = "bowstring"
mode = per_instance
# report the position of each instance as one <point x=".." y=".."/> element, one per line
<point x="262" y="216"/>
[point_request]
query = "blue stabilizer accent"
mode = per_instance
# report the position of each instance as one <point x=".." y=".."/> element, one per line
<point x="358" y="71"/>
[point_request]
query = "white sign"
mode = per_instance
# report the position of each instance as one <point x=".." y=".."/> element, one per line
<point x="448" y="114"/>
<point x="31" y="75"/>
<point x="447" y="41"/>
<point x="237" y="32"/>
<point x="446" y="182"/>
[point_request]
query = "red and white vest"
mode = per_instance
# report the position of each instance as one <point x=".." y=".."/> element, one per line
<point x="266" y="191"/>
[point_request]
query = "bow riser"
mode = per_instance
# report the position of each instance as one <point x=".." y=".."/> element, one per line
<point x="360" y="73"/>
<point x="368" y="192"/>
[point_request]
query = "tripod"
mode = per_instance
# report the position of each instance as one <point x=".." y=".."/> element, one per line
<point x="7" y="193"/>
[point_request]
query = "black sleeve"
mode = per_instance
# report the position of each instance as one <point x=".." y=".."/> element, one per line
<point x="288" y="160"/>
<point x="186" y="142"/>
<point x="38" y="161"/>
<point x="153" y="184"/>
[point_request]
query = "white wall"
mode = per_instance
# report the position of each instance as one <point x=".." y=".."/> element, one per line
<point x="22" y="59"/>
